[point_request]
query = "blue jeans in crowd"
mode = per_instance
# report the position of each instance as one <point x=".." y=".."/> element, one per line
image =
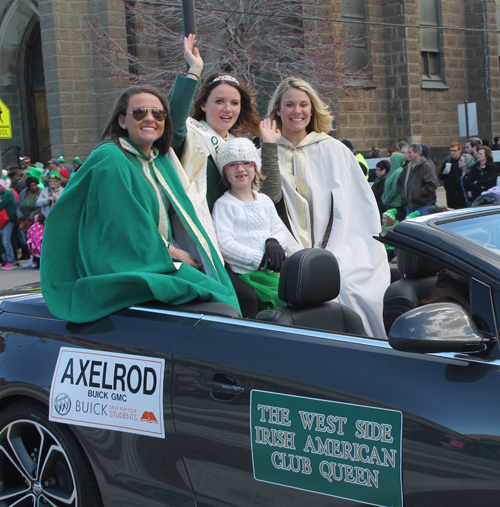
<point x="424" y="210"/>
<point x="7" y="241"/>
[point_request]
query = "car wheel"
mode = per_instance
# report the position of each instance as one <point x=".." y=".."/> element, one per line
<point x="42" y="463"/>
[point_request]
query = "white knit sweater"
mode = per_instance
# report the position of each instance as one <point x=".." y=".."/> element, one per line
<point x="242" y="229"/>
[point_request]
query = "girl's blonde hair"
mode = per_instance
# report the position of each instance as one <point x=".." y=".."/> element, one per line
<point x="321" y="119"/>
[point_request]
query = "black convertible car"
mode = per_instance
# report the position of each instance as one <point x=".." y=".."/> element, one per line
<point x="192" y="406"/>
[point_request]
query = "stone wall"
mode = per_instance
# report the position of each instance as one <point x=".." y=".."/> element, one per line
<point x="398" y="106"/>
<point x="482" y="55"/>
<point x="391" y="106"/>
<point x="78" y="93"/>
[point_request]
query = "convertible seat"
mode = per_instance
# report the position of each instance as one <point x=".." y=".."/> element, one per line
<point x="419" y="278"/>
<point x="309" y="280"/>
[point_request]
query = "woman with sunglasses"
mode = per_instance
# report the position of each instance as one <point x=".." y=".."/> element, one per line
<point x="323" y="197"/>
<point x="126" y="222"/>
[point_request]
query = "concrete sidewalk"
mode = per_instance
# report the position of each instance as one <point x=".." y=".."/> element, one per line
<point x="18" y="276"/>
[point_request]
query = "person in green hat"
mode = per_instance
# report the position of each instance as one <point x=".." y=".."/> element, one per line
<point x="389" y="220"/>
<point x="49" y="196"/>
<point x="26" y="202"/>
<point x="36" y="172"/>
<point x="77" y="162"/>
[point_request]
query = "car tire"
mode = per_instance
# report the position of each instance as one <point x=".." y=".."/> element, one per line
<point x="41" y="462"/>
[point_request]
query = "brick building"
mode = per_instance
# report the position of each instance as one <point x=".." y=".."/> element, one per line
<point x="48" y="77"/>
<point x="425" y="57"/>
<point x="422" y="70"/>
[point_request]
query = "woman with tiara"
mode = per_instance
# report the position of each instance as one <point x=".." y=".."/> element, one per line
<point x="221" y="108"/>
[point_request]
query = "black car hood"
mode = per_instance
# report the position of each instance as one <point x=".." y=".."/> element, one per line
<point x="25" y="300"/>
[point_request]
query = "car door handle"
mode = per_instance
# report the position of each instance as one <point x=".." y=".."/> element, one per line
<point x="207" y="385"/>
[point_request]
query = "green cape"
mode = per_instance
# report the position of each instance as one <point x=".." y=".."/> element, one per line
<point x="102" y="248"/>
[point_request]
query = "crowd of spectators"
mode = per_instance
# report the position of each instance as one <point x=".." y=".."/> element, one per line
<point x="27" y="193"/>
<point x="407" y="179"/>
<point x="406" y="182"/>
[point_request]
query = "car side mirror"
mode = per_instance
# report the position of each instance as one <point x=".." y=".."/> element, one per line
<point x="438" y="327"/>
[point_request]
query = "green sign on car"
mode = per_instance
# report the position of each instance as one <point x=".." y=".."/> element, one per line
<point x="337" y="449"/>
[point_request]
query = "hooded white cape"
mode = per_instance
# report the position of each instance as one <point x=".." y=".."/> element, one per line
<point x="321" y="171"/>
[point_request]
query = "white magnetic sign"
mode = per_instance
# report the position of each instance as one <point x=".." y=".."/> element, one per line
<point x="120" y="392"/>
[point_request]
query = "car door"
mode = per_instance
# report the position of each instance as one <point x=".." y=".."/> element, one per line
<point x="445" y="451"/>
<point x="133" y="467"/>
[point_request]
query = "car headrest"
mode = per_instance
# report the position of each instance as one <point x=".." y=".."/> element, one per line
<point x="414" y="266"/>
<point x="309" y="277"/>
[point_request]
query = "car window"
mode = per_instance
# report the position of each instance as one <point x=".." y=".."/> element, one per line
<point x="483" y="231"/>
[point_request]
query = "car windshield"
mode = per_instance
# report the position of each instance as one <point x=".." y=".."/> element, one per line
<point x="482" y="230"/>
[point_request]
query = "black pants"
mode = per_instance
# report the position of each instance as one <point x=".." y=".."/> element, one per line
<point x="247" y="298"/>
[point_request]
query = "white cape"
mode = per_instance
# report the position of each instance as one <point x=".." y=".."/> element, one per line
<point x="320" y="171"/>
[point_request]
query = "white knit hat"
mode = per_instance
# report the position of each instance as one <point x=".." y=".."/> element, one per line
<point x="238" y="149"/>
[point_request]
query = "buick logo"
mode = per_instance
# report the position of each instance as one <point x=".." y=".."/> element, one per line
<point x="62" y="404"/>
<point x="37" y="489"/>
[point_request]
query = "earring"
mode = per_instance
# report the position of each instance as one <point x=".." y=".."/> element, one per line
<point x="123" y="127"/>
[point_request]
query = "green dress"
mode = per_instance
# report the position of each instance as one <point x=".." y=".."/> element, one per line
<point x="104" y="241"/>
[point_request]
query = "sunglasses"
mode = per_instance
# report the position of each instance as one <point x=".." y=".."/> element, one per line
<point x="232" y="166"/>
<point x="140" y="113"/>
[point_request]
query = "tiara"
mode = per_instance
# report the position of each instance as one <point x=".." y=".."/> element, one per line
<point x="226" y="78"/>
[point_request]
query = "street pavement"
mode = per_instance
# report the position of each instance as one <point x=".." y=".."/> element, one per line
<point x="19" y="276"/>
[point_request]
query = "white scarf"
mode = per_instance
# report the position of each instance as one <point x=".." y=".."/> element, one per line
<point x="207" y="137"/>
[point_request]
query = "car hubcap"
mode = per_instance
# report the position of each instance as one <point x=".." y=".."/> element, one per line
<point x="37" y="488"/>
<point x="34" y="469"/>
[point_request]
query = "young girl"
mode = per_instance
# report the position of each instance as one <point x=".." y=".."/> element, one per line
<point x="251" y="236"/>
<point x="34" y="239"/>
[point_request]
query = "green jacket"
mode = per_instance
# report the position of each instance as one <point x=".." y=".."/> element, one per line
<point x="8" y="202"/>
<point x="113" y="254"/>
<point x="180" y="104"/>
<point x="391" y="197"/>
